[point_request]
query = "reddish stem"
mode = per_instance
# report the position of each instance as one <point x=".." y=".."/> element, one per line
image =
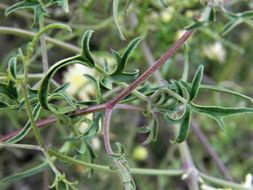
<point x="108" y="114"/>
<point x="51" y="120"/>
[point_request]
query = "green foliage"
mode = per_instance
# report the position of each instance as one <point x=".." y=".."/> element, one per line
<point x="168" y="99"/>
<point x="119" y="74"/>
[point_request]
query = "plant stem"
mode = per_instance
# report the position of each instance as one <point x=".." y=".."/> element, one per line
<point x="21" y="146"/>
<point x="108" y="148"/>
<point x="25" y="33"/>
<point x="43" y="48"/>
<point x="48" y="121"/>
<point x="137" y="171"/>
<point x="140" y="171"/>
<point x="135" y="92"/>
<point x="223" y="183"/>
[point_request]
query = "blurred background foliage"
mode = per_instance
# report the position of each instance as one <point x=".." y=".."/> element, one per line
<point x="227" y="60"/>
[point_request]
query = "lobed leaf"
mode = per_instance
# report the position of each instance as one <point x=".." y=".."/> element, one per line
<point x="12" y="68"/>
<point x="218" y="113"/>
<point x="85" y="47"/>
<point x="196" y="82"/>
<point x="185" y="127"/>
<point x="122" y="61"/>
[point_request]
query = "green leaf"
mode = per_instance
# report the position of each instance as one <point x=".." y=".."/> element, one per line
<point x="185" y="127"/>
<point x="230" y="26"/>
<point x="9" y="90"/>
<point x="128" y="51"/>
<point x="23" y="174"/>
<point x="86" y="48"/>
<point x="25" y="130"/>
<point x="65" y="96"/>
<point x="62" y="88"/>
<point x="151" y="130"/>
<point x="196" y="82"/>
<point x="99" y="97"/>
<point x="115" y="17"/>
<point x="126" y="76"/>
<point x="35" y="5"/>
<point x="175" y="118"/>
<point x="12" y="68"/>
<point x="116" y="55"/>
<point x="125" y="56"/>
<point x="119" y="73"/>
<point x="225" y="91"/>
<point x="106" y="82"/>
<point x="212" y="15"/>
<point x="64" y="4"/>
<point x="3" y="105"/>
<point x="218" y="113"/>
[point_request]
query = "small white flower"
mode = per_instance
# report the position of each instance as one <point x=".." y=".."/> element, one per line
<point x="215" y="51"/>
<point x="95" y="143"/>
<point x="248" y="181"/>
<point x="79" y="85"/>
<point x="84" y="126"/>
<point x="167" y="14"/>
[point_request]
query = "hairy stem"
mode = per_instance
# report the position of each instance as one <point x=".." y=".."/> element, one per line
<point x="43" y="48"/>
<point x="140" y="171"/>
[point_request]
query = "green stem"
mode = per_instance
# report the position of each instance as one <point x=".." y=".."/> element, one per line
<point x="24" y="86"/>
<point x="137" y="171"/>
<point x="135" y="92"/>
<point x="223" y="183"/>
<point x="43" y="48"/>
<point x="35" y="129"/>
<point x="21" y="146"/>
<point x="25" y="33"/>
<point x="176" y="96"/>
<point x="147" y="171"/>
